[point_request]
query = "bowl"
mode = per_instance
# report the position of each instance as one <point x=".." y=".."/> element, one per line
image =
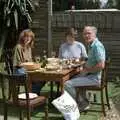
<point x="31" y="66"/>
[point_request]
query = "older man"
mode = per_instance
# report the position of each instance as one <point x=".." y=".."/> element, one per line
<point x="91" y="73"/>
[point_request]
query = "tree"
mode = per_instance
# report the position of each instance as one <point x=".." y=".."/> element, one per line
<point x="14" y="16"/>
<point x="118" y="4"/>
<point x="87" y="4"/>
<point x="111" y="4"/>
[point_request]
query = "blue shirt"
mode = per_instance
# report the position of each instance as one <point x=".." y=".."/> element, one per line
<point x="96" y="54"/>
<point x="75" y="50"/>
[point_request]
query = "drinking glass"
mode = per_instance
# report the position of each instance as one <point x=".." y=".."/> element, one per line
<point x="37" y="59"/>
<point x="53" y="54"/>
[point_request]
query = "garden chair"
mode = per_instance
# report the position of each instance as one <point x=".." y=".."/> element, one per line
<point x="26" y="103"/>
<point x="101" y="88"/>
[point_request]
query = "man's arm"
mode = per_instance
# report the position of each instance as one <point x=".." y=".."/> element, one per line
<point x="99" y="66"/>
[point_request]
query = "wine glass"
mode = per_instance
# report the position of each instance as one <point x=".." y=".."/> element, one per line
<point x="37" y="59"/>
<point x="61" y="64"/>
<point x="53" y="54"/>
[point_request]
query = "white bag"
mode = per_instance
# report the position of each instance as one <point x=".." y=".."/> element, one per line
<point x="67" y="106"/>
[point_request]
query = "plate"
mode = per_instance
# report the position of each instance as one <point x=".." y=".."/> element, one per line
<point x="78" y="64"/>
<point x="31" y="95"/>
<point x="52" y="67"/>
<point x="73" y="65"/>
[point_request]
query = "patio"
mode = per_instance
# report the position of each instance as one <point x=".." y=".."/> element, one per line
<point x="38" y="114"/>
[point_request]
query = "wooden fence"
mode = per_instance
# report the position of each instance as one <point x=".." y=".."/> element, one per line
<point x="107" y="22"/>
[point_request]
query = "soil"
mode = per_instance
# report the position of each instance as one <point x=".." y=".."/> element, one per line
<point x="113" y="113"/>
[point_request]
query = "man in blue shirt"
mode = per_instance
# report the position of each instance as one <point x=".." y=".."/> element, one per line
<point x="91" y="73"/>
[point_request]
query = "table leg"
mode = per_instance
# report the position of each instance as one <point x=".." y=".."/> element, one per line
<point x="58" y="86"/>
<point x="29" y="84"/>
<point x="51" y="89"/>
<point x="62" y="86"/>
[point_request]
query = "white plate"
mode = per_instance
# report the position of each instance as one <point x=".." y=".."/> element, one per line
<point x="28" y="63"/>
<point x="31" y="96"/>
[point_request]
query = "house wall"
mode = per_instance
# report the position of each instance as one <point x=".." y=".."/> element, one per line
<point x="40" y="26"/>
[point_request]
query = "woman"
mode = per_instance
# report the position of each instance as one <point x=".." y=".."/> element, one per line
<point x="23" y="50"/>
<point x="23" y="53"/>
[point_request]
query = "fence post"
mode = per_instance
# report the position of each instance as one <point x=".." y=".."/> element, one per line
<point x="49" y="27"/>
<point x="72" y="16"/>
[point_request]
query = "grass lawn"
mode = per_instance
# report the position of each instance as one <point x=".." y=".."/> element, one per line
<point x="54" y="114"/>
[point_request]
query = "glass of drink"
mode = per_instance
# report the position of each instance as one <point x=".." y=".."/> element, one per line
<point x="53" y="54"/>
<point x="37" y="59"/>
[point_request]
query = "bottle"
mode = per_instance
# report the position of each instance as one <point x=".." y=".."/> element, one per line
<point x="44" y="60"/>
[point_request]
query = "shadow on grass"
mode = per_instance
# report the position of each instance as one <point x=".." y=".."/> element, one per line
<point x="53" y="113"/>
<point x="12" y="112"/>
<point x="36" y="114"/>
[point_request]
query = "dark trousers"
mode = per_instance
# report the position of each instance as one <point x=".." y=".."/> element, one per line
<point x="36" y="87"/>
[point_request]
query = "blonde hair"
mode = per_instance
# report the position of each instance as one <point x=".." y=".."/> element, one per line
<point x="24" y="33"/>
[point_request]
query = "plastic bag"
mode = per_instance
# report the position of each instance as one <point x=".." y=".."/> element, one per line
<point x="67" y="106"/>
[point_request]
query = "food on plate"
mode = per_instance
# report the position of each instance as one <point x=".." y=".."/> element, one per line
<point x="53" y="60"/>
<point x="52" y="67"/>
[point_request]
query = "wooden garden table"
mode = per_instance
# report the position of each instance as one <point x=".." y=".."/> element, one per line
<point x="52" y="76"/>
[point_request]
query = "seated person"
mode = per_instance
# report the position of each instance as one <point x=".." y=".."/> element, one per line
<point x="72" y="48"/>
<point x="91" y="73"/>
<point x="23" y="53"/>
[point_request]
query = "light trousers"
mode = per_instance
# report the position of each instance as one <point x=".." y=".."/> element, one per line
<point x="81" y="80"/>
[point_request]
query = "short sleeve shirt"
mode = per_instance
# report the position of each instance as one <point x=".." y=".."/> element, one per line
<point x="96" y="54"/>
<point x="75" y="50"/>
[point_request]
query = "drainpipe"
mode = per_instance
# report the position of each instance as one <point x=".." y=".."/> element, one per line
<point x="49" y="27"/>
<point x="72" y="16"/>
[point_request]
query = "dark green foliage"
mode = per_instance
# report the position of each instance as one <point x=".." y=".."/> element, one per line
<point x="87" y="4"/>
<point x="118" y="4"/>
<point x="60" y="5"/>
<point x="110" y="4"/>
<point x="14" y="17"/>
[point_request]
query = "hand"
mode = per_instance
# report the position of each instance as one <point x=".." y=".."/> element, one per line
<point x="21" y="65"/>
<point x="82" y="70"/>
